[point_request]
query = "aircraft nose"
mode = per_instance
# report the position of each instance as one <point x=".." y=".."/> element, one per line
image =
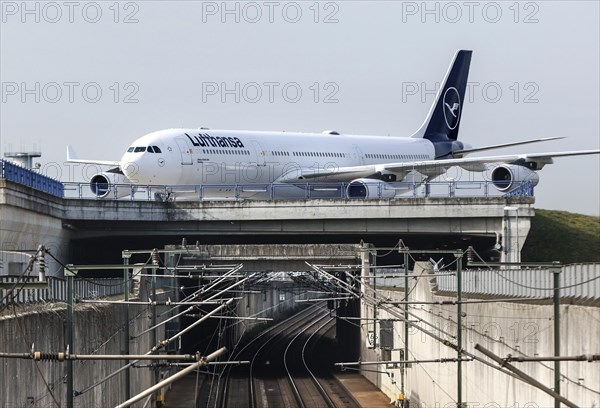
<point x="130" y="166"/>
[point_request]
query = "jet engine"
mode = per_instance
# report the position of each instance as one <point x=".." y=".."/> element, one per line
<point x="508" y="177"/>
<point x="109" y="185"/>
<point x="370" y="188"/>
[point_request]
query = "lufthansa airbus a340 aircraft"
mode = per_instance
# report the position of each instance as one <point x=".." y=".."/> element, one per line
<point x="370" y="164"/>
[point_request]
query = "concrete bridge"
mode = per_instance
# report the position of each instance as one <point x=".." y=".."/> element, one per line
<point x="78" y="228"/>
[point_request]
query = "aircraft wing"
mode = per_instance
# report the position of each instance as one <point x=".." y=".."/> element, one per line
<point x="499" y="146"/>
<point x="431" y="168"/>
<point x="72" y="158"/>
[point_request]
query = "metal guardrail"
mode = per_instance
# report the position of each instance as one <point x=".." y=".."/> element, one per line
<point x="21" y="175"/>
<point x="57" y="289"/>
<point x="271" y="191"/>
<point x="284" y="191"/>
<point x="578" y="282"/>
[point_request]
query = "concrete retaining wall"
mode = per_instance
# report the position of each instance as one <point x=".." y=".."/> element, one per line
<point x="98" y="329"/>
<point x="504" y="328"/>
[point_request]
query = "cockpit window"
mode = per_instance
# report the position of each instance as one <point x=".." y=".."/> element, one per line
<point x="156" y="149"/>
<point x="140" y="149"/>
<point x="130" y="149"/>
<point x="150" y="149"/>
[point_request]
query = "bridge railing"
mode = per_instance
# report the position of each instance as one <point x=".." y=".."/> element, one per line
<point x="30" y="178"/>
<point x="284" y="191"/>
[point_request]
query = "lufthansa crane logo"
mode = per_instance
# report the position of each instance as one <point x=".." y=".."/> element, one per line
<point x="451" y="107"/>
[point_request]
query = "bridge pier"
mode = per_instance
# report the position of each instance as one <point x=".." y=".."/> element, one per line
<point x="515" y="229"/>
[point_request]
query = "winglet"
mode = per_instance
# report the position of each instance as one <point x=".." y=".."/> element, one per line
<point x="71" y="155"/>
<point x="73" y="158"/>
<point x="499" y="146"/>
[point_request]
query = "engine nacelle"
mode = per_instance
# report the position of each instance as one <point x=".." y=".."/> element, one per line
<point x="370" y="188"/>
<point x="508" y="177"/>
<point x="107" y="185"/>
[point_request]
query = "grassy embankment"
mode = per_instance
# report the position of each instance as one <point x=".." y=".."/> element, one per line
<point x="562" y="236"/>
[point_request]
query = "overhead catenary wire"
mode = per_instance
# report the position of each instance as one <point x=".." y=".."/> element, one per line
<point x="445" y="342"/>
<point x="203" y="290"/>
<point x="135" y="274"/>
<point x="512" y="300"/>
<point x="373" y="302"/>
<point x="456" y="302"/>
<point x="410" y="290"/>
<point x="192" y="307"/>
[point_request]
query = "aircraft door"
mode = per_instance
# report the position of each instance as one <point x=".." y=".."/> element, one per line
<point x="359" y="156"/>
<point x="261" y="153"/>
<point x="186" y="151"/>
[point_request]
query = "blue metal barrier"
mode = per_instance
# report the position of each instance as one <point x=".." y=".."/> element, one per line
<point x="21" y="175"/>
<point x="524" y="190"/>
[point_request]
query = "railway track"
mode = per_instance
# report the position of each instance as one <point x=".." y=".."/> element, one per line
<point x="290" y="367"/>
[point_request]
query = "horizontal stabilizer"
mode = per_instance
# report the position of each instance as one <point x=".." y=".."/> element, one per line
<point x="72" y="158"/>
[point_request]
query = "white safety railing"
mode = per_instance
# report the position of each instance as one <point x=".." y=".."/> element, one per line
<point x="56" y="291"/>
<point x="578" y="282"/>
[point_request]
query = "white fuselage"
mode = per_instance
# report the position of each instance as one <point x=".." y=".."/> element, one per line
<point x="203" y="156"/>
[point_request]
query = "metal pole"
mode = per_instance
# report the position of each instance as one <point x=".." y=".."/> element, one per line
<point x="507" y="238"/>
<point x="364" y="283"/>
<point x="154" y="341"/>
<point x="126" y="328"/>
<point x="373" y="272"/>
<point x="458" y="255"/>
<point x="556" y="275"/>
<point x="518" y="247"/>
<point x="70" y="278"/>
<point x="403" y="373"/>
<point x="172" y="378"/>
<point x="41" y="258"/>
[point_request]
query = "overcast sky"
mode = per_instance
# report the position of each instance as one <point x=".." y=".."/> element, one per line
<point x="98" y="75"/>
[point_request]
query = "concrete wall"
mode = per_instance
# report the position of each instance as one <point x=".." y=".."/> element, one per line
<point x="98" y="329"/>
<point x="504" y="328"/>
<point x="29" y="218"/>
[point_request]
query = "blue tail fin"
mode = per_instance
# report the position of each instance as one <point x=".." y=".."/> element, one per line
<point x="443" y="120"/>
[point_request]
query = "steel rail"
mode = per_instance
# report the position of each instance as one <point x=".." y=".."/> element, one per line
<point x="295" y="389"/>
<point x="316" y="381"/>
